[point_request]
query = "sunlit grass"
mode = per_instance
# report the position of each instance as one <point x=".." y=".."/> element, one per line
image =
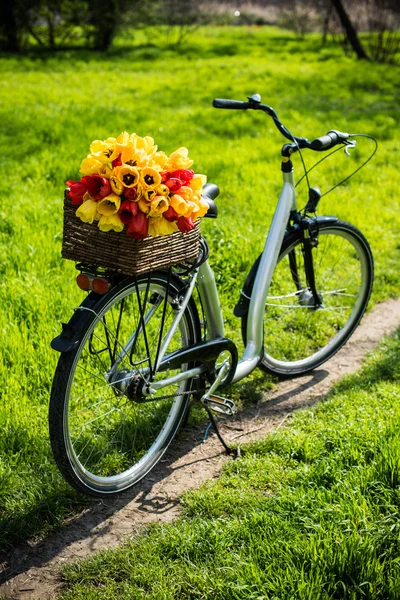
<point x="53" y="106"/>
<point x="309" y="512"/>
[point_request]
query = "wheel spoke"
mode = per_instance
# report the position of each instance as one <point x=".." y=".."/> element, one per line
<point x="296" y="333"/>
<point x="110" y="437"/>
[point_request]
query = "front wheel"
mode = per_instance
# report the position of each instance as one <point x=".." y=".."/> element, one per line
<point x="105" y="433"/>
<point x="299" y="333"/>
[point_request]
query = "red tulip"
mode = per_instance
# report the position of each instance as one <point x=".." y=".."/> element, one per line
<point x="130" y="193"/>
<point x="185" y="224"/>
<point x="173" y="184"/>
<point x="170" y="214"/>
<point x="117" y="162"/>
<point x="165" y="176"/>
<point x="139" y="226"/>
<point x="184" y="175"/>
<point x="77" y="189"/>
<point x="98" y="187"/>
<point x="127" y="211"/>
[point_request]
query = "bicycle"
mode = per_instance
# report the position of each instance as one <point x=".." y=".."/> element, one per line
<point x="135" y="351"/>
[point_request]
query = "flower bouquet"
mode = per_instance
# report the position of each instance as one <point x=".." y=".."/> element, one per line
<point x="133" y="197"/>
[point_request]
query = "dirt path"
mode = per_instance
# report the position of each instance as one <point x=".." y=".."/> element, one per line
<point x="32" y="571"/>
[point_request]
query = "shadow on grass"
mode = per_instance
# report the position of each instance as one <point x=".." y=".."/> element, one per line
<point x="95" y="513"/>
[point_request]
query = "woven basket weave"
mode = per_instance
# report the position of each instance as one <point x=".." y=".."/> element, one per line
<point x="86" y="243"/>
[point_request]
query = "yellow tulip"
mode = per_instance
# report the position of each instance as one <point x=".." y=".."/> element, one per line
<point x="128" y="176"/>
<point x="163" y="190"/>
<point x="186" y="192"/>
<point x="149" y="146"/>
<point x="149" y="194"/>
<point x="137" y="141"/>
<point x="116" y="186"/>
<point x="179" y="205"/>
<point x="139" y="191"/>
<point x="191" y="209"/>
<point x="146" y="143"/>
<point x="109" y="205"/>
<point x="144" y="206"/>
<point x="110" y="222"/>
<point x="90" y="165"/>
<point x="133" y="157"/>
<point x="179" y="160"/>
<point x="87" y="211"/>
<point x="158" y="160"/>
<point x="159" y="205"/>
<point x="124" y="139"/>
<point x="197" y="182"/>
<point x="150" y="178"/>
<point x="160" y="226"/>
<point x="105" y="171"/>
<point x="202" y="206"/>
<point x="105" y="151"/>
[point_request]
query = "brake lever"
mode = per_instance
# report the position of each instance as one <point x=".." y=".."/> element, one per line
<point x="349" y="144"/>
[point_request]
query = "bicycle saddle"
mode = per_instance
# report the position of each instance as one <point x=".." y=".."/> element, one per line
<point x="210" y="192"/>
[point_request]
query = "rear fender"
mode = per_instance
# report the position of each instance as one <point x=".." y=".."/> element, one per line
<point x="70" y="335"/>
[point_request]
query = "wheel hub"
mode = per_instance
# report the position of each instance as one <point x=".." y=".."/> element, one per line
<point x="128" y="384"/>
<point x="307" y="299"/>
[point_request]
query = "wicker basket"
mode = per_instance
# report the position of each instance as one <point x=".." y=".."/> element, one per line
<point x="86" y="243"/>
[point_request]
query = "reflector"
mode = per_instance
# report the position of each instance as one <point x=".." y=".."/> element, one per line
<point x="100" y="285"/>
<point x="84" y="282"/>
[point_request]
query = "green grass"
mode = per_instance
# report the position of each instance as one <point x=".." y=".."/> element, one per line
<point x="311" y="512"/>
<point x="54" y="105"/>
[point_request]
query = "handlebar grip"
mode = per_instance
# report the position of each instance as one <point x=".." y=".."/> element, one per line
<point x="325" y="141"/>
<point x="236" y="104"/>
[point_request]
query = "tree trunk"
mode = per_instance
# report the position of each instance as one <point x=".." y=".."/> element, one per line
<point x="10" y="28"/>
<point x="326" y="22"/>
<point x="350" y="30"/>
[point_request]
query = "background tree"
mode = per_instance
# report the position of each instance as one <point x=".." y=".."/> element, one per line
<point x="350" y="30"/>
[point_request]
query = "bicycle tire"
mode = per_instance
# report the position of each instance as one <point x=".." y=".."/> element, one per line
<point x="297" y="336"/>
<point x="102" y="441"/>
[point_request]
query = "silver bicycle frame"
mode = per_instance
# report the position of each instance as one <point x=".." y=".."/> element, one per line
<point x="209" y="294"/>
<point x="210" y="299"/>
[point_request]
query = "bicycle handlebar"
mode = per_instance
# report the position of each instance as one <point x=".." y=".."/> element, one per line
<point x="236" y="104"/>
<point x="325" y="142"/>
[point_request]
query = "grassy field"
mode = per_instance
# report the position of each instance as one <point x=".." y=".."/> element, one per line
<point x="55" y="105"/>
<point x="309" y="513"/>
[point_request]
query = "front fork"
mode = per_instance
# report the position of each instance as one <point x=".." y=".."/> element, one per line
<point x="309" y="241"/>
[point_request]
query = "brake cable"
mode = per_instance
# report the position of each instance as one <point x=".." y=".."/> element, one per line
<point x="333" y="152"/>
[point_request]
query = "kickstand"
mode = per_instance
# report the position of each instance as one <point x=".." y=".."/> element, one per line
<point x="228" y="449"/>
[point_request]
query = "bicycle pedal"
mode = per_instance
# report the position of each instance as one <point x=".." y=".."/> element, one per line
<point x="221" y="405"/>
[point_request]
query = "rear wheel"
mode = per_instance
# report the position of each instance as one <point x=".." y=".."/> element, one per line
<point x="105" y="433"/>
<point x="298" y="335"/>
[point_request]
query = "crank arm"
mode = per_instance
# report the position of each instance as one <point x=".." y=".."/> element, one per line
<point x="221" y="375"/>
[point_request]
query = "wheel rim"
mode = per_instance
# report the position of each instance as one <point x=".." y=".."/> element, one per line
<point x="297" y="336"/>
<point x="111" y="439"/>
